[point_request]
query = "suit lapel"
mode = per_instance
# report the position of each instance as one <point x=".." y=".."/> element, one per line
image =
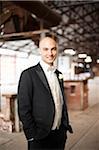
<point x="42" y="76"/>
<point x="60" y="80"/>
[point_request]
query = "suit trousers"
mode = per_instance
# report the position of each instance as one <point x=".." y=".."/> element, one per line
<point x="55" y="140"/>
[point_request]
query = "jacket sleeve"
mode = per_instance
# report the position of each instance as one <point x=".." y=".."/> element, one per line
<point x="25" y="92"/>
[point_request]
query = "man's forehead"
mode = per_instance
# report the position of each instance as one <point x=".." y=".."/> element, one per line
<point x="49" y="47"/>
<point x="47" y="42"/>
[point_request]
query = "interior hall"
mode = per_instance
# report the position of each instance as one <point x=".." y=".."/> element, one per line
<point x="74" y="24"/>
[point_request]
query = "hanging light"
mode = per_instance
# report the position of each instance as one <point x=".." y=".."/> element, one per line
<point x="83" y="55"/>
<point x="88" y="59"/>
<point x="70" y="51"/>
<point x="98" y="60"/>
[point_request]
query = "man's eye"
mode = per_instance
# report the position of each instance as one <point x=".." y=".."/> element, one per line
<point x="54" y="48"/>
<point x="45" y="49"/>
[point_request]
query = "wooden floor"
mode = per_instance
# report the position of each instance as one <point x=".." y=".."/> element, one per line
<point x="85" y="137"/>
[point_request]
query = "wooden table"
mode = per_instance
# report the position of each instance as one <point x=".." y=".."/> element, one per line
<point x="10" y="109"/>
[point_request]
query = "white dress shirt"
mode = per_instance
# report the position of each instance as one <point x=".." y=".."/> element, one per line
<point x="56" y="92"/>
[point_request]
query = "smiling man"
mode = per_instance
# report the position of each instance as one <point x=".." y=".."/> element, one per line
<point x="48" y="50"/>
<point x="41" y="102"/>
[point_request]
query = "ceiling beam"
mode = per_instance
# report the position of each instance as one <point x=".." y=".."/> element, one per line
<point x="41" y="11"/>
<point x="22" y="35"/>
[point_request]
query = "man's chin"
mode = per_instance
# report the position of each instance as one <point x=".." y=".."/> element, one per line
<point x="50" y="62"/>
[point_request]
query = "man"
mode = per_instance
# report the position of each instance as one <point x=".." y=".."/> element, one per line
<point x="41" y="102"/>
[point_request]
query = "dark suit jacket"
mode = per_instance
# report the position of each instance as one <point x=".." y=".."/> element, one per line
<point x="35" y="103"/>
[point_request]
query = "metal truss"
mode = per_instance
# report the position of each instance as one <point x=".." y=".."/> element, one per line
<point x="79" y="28"/>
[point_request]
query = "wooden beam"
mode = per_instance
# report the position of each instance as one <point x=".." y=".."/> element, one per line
<point x="22" y="35"/>
<point x="41" y="11"/>
<point x="4" y="17"/>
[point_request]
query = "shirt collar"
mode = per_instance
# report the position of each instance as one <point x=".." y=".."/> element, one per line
<point x="47" y="67"/>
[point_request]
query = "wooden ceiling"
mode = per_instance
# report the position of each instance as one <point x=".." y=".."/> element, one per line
<point x="26" y="19"/>
<point x="75" y="23"/>
<point x="26" y="16"/>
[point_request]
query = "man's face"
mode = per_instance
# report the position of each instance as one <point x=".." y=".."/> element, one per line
<point x="48" y="50"/>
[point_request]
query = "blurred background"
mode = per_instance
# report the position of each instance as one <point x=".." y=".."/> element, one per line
<point x="74" y="25"/>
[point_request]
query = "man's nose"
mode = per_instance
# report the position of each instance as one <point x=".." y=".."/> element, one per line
<point x="49" y="51"/>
